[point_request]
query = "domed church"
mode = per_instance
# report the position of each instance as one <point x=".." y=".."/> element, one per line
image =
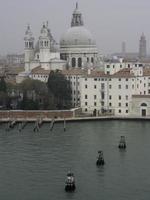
<point x="77" y="45"/>
<point x="77" y="49"/>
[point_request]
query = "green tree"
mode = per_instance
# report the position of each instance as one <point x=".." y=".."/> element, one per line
<point x="60" y="88"/>
<point x="3" y="87"/>
<point x="35" y="95"/>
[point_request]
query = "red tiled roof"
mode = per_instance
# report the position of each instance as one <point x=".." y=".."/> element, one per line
<point x="126" y="72"/>
<point x="40" y="70"/>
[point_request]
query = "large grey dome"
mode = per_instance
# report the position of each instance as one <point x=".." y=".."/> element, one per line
<point x="77" y="35"/>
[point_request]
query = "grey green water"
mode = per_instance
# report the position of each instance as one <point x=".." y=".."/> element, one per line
<point x="33" y="166"/>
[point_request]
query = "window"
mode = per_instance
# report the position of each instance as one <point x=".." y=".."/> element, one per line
<point x="92" y="60"/>
<point x="102" y="86"/>
<point x="126" y="104"/>
<point x="108" y="73"/>
<point x="73" y="62"/>
<point x="95" y="96"/>
<point x="144" y="92"/>
<point x="126" y="86"/>
<point x="132" y="86"/>
<point x="119" y="79"/>
<point x="109" y="96"/>
<point x="102" y="95"/>
<point x="119" y="111"/>
<point x="95" y="104"/>
<point x="144" y="84"/>
<point x="94" y="86"/>
<point x="86" y="96"/>
<point x="110" y="104"/>
<point x="119" y="104"/>
<point x="119" y="86"/>
<point x="119" y="97"/>
<point x="80" y="62"/>
<point x="86" y="103"/>
<point x="126" y="79"/>
<point x="144" y="104"/>
<point x="86" y="110"/>
<point x="95" y="79"/>
<point x="108" y="66"/>
<point x="149" y="91"/>
<point x="127" y="111"/>
<point x="85" y="86"/>
<point x="126" y="97"/>
<point x="85" y="79"/>
<point x="109" y="86"/>
<point x="102" y="103"/>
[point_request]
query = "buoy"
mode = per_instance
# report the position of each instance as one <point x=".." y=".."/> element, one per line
<point x="70" y="182"/>
<point x="100" y="159"/>
<point x="122" y="143"/>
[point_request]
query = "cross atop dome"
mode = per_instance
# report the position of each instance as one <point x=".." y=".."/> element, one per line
<point x="77" y="5"/>
<point x="77" y="19"/>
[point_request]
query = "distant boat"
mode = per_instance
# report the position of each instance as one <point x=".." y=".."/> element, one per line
<point x="100" y="159"/>
<point x="70" y="182"/>
<point x="122" y="143"/>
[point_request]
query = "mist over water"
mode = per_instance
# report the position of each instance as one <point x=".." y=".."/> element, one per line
<point x="34" y="165"/>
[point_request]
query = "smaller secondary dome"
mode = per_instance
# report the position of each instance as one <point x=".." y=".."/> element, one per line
<point x="77" y="35"/>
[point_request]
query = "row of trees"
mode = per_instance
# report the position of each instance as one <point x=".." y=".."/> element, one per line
<point x="36" y="95"/>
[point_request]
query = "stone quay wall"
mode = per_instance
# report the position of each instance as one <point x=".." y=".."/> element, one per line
<point x="29" y="115"/>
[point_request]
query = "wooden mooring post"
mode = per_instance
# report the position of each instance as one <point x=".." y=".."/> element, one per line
<point x="52" y="124"/>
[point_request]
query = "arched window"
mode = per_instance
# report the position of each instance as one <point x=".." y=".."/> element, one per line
<point x="45" y="43"/>
<point x="144" y="104"/>
<point x="26" y="44"/>
<point x="79" y="62"/>
<point x="41" y="43"/>
<point x="73" y="62"/>
<point x="92" y="60"/>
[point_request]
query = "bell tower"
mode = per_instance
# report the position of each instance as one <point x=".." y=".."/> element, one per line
<point x="29" y="48"/>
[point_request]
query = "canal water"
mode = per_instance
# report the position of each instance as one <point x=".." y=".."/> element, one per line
<point x="33" y="166"/>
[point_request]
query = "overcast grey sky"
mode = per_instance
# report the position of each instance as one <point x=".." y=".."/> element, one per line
<point x="110" y="21"/>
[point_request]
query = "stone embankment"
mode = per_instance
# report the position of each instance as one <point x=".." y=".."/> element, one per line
<point x="68" y="115"/>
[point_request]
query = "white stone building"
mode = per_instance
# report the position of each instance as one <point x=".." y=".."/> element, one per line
<point x="117" y="93"/>
<point x="113" y="66"/>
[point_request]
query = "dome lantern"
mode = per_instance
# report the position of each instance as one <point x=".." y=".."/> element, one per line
<point x="77" y="19"/>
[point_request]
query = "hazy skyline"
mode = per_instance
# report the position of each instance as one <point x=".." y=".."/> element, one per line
<point x="111" y="22"/>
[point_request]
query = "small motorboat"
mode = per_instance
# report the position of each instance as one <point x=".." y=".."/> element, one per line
<point x="122" y="143"/>
<point x="70" y="182"/>
<point x="100" y="159"/>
